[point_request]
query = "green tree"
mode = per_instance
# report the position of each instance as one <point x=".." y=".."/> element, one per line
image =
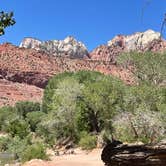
<point x="82" y="101"/>
<point x="142" y="125"/>
<point x="147" y="67"/>
<point x="48" y="92"/>
<point x="6" y="19"/>
<point x="142" y="117"/>
<point x="62" y="116"/>
<point x="151" y="97"/>
<point x="3" y="143"/>
<point x="102" y="100"/>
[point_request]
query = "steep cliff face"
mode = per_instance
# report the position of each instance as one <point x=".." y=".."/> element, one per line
<point x="140" y="41"/>
<point x="31" y="43"/>
<point x="106" y="53"/>
<point x="69" y="47"/>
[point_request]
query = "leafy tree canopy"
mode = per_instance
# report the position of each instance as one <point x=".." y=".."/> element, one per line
<point x="82" y="101"/>
<point x="147" y="67"/>
<point x="6" y="20"/>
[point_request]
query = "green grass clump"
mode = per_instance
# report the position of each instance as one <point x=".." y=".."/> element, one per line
<point x="35" y="151"/>
<point x="87" y="141"/>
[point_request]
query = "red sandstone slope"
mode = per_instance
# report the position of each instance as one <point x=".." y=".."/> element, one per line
<point x="33" y="67"/>
<point x="28" y="67"/>
<point x="11" y="92"/>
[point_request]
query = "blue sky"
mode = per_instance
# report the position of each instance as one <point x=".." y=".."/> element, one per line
<point x="93" y="22"/>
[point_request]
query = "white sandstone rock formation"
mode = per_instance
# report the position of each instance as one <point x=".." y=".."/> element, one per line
<point x="31" y="43"/>
<point x="137" y="41"/>
<point x="69" y="47"/>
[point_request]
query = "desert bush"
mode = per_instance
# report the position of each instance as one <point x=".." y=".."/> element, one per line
<point x="34" y="151"/>
<point x="106" y="136"/>
<point x="3" y="143"/>
<point x="46" y="131"/>
<point x="7" y="115"/>
<point x="25" y="107"/>
<point x="19" y="128"/>
<point x="141" y="125"/>
<point x="87" y="141"/>
<point x="17" y="146"/>
<point x="34" y="118"/>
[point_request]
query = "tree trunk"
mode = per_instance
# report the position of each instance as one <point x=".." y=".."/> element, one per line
<point x="94" y="122"/>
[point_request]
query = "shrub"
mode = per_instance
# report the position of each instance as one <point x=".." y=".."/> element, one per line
<point x="45" y="133"/>
<point x="122" y="128"/>
<point x="33" y="118"/>
<point x="7" y="115"/>
<point x="25" y="107"/>
<point x="3" y="143"/>
<point x="19" y="128"/>
<point x="17" y="146"/>
<point x="141" y="126"/>
<point x="106" y="136"/>
<point x="87" y="141"/>
<point x="35" y="151"/>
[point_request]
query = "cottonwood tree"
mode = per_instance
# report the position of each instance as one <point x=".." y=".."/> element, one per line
<point x="61" y="120"/>
<point x="84" y="101"/>
<point x="147" y="67"/>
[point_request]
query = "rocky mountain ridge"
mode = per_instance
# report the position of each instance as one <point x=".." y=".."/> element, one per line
<point x="137" y="41"/>
<point x="140" y="41"/>
<point x="30" y="65"/>
<point x="69" y="47"/>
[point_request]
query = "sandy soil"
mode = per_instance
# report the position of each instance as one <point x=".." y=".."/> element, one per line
<point x="81" y="158"/>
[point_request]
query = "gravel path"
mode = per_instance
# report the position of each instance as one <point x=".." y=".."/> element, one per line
<point x="81" y="158"/>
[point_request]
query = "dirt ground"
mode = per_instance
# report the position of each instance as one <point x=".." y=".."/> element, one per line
<point x="80" y="158"/>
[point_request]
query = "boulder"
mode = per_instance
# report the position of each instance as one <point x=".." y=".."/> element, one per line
<point x="117" y="154"/>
